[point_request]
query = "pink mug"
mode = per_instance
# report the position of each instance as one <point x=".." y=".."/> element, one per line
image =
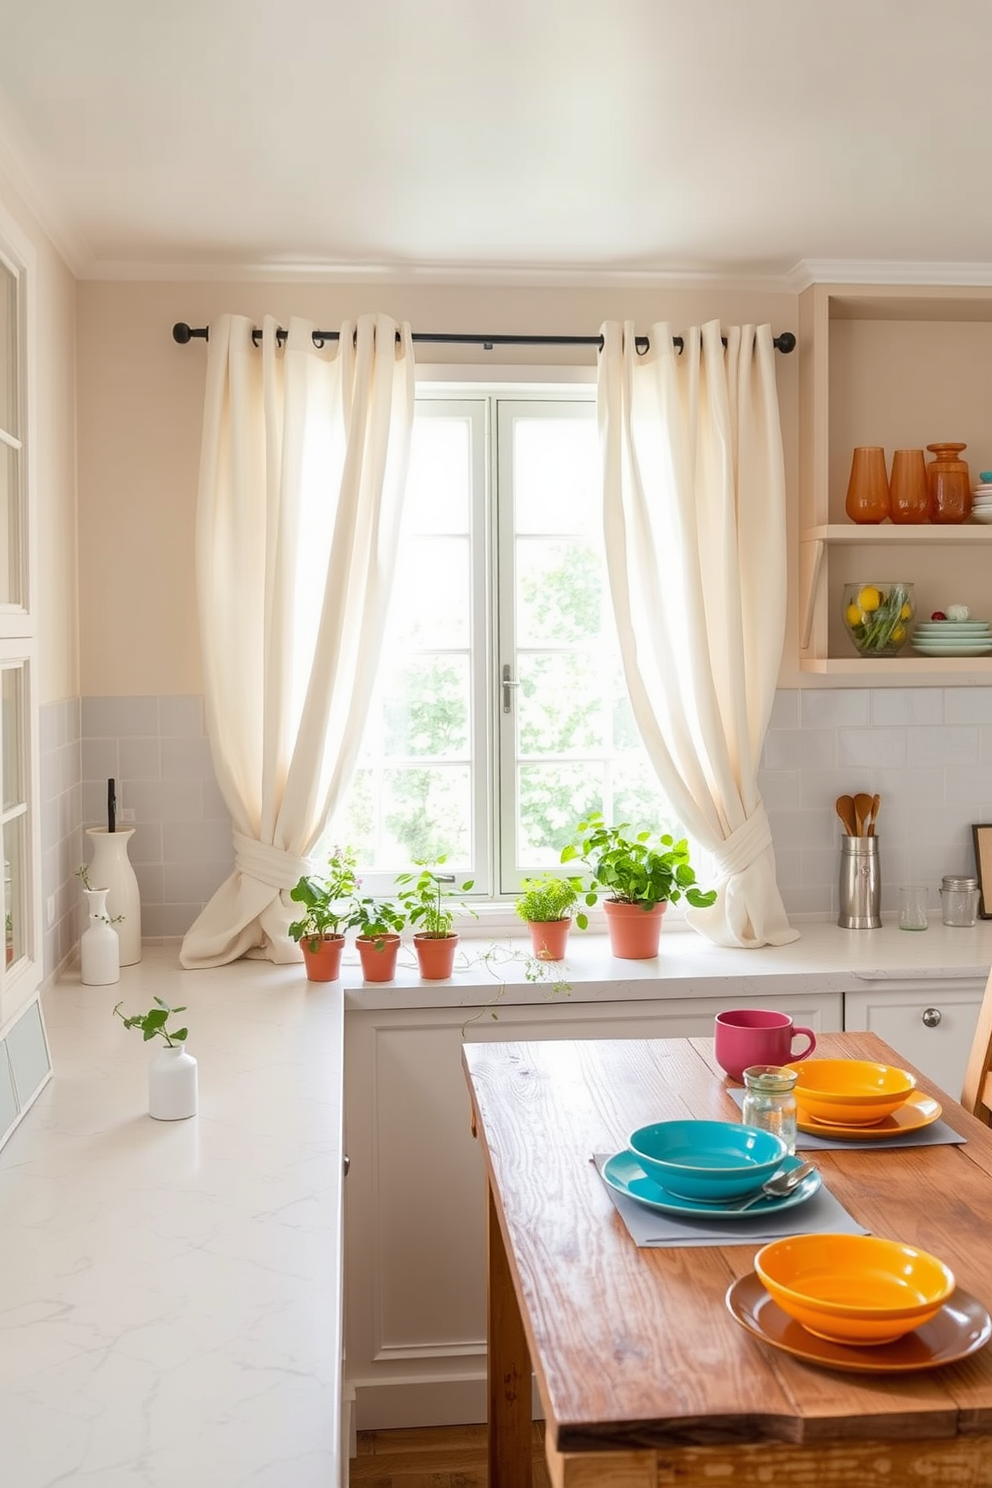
<point x="745" y="1036"/>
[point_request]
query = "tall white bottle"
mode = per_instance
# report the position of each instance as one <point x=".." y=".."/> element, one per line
<point x="111" y="869"/>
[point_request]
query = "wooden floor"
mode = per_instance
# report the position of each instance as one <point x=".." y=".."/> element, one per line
<point x="432" y="1457"/>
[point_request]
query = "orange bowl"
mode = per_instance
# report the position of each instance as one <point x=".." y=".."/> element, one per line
<point x="856" y="1289"/>
<point x="850" y="1092"/>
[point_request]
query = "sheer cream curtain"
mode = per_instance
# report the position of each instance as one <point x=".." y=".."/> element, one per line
<point x="694" y="514"/>
<point x="303" y="467"/>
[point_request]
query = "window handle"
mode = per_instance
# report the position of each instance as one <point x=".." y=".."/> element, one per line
<point x="508" y="685"/>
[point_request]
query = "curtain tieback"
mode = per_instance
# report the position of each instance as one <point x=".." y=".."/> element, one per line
<point x="744" y="845"/>
<point x="267" y="864"/>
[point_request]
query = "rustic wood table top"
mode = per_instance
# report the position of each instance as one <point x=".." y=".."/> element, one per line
<point x="644" y="1376"/>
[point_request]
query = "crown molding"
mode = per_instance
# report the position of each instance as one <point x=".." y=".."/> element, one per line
<point x="880" y="271"/>
<point x="23" y="173"/>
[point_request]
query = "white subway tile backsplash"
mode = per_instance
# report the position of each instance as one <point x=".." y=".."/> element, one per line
<point x="927" y="751"/>
<point x="834" y="708"/>
<point x="907" y="705"/>
<point x="949" y="746"/>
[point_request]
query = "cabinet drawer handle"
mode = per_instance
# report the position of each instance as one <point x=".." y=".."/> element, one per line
<point x="931" y="1017"/>
<point x="347" y="1160"/>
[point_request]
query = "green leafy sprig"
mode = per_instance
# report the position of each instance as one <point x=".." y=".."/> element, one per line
<point x="153" y="1023"/>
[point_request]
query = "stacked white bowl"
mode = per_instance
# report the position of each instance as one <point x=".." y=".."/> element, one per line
<point x="981" y="498"/>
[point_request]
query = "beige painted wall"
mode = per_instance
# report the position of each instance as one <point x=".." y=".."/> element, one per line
<point x="52" y="406"/>
<point x="140" y="399"/>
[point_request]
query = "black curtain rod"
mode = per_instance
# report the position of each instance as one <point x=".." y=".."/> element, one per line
<point x="183" y="333"/>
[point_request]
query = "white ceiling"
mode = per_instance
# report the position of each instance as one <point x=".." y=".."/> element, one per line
<point x="165" y="138"/>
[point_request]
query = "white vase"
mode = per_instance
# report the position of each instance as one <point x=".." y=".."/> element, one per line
<point x="172" y="1084"/>
<point x="111" y="868"/>
<point x="99" y="947"/>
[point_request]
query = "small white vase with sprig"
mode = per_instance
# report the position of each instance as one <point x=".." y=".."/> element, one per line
<point x="99" y="944"/>
<point x="172" y="1071"/>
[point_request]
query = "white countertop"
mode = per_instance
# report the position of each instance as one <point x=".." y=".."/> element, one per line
<point x="170" y="1292"/>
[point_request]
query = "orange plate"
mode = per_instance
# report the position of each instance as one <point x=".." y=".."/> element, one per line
<point x="961" y="1327"/>
<point x="919" y="1110"/>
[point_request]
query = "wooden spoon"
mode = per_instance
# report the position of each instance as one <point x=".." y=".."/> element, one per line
<point x="845" y="810"/>
<point x="862" y="812"/>
<point x="875" y="800"/>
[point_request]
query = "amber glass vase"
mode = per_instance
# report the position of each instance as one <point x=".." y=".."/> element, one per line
<point x="909" y="499"/>
<point x="948" y="483"/>
<point x="868" y="487"/>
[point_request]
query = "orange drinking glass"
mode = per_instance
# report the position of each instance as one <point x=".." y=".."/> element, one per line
<point x="868" y="487"/>
<point x="909" y="499"/>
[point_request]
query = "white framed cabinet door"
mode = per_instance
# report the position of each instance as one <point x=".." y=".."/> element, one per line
<point x="931" y="1024"/>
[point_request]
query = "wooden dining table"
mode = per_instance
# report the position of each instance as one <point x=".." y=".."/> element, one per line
<point x="643" y="1375"/>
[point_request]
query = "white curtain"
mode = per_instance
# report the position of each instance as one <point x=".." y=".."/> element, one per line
<point x="694" y="515"/>
<point x="302" y="473"/>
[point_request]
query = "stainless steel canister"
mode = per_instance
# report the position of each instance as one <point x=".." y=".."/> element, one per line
<point x="860" y="884"/>
<point x="959" y="900"/>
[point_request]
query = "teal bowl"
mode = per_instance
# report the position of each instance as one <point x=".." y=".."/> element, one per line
<point x="707" y="1160"/>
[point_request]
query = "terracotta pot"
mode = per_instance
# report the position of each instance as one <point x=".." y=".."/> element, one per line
<point x="378" y="956"/>
<point x="549" y="938"/>
<point x="635" y="933"/>
<point x="324" y="963"/>
<point x="436" y="955"/>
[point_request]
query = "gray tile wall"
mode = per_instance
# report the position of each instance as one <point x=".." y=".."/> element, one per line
<point x="927" y="751"/>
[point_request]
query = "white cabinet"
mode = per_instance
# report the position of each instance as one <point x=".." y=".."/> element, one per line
<point x="931" y="1024"/>
<point x="901" y="367"/>
<point x="415" y="1238"/>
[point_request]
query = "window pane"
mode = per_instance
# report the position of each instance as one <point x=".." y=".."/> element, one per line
<point x="559" y="707"/>
<point x="431" y="596"/>
<point x="426" y="711"/>
<point x="551" y="799"/>
<point x="14" y="888"/>
<point x="556" y="474"/>
<point x="10" y="526"/>
<point x="8" y="352"/>
<point x="426" y="813"/>
<point x="440" y="480"/>
<point x="12" y="706"/>
<point x="559" y="592"/>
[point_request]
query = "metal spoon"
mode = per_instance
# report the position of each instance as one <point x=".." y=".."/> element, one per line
<point x="778" y="1185"/>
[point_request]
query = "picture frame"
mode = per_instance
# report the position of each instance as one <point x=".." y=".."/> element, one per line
<point x="981" y="833"/>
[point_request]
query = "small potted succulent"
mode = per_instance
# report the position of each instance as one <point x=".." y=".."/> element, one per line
<point x="378" y="923"/>
<point x="172" y="1072"/>
<point x="327" y="902"/>
<point x="547" y="904"/>
<point x="636" y="880"/>
<point x="431" y="913"/>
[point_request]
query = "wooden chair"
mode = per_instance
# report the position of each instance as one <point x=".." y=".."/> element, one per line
<point x="977" y="1093"/>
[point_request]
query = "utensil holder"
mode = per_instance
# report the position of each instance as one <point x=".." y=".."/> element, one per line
<point x="860" y="884"/>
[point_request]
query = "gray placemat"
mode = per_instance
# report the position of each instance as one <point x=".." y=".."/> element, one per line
<point x="937" y="1134"/>
<point x="822" y="1214"/>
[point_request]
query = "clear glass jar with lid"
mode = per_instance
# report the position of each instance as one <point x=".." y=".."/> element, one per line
<point x="959" y="899"/>
<point x="770" y="1100"/>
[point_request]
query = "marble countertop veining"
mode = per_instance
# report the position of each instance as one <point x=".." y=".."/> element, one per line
<point x="170" y="1292"/>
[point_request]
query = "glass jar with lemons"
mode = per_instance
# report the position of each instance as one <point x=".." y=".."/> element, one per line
<point x="878" y="616"/>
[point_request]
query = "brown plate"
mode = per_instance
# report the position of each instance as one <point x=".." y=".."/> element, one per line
<point x="961" y="1327"/>
<point x="917" y="1111"/>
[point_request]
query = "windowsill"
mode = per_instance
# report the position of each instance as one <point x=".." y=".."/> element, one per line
<point x="825" y="958"/>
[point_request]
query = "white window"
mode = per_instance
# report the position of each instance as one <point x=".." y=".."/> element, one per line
<point x="500" y="716"/>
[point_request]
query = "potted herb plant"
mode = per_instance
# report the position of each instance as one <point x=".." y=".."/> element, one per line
<point x="378" y="923"/>
<point x="637" y="881"/>
<point x="326" y="902"/>
<point x="432" y="914"/>
<point x="172" y="1082"/>
<point x="547" y="904"/>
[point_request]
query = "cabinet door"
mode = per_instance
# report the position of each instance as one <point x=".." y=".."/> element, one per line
<point x="931" y="1024"/>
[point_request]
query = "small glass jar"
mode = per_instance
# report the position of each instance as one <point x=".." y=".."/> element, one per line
<point x="770" y="1101"/>
<point x="959" y="900"/>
